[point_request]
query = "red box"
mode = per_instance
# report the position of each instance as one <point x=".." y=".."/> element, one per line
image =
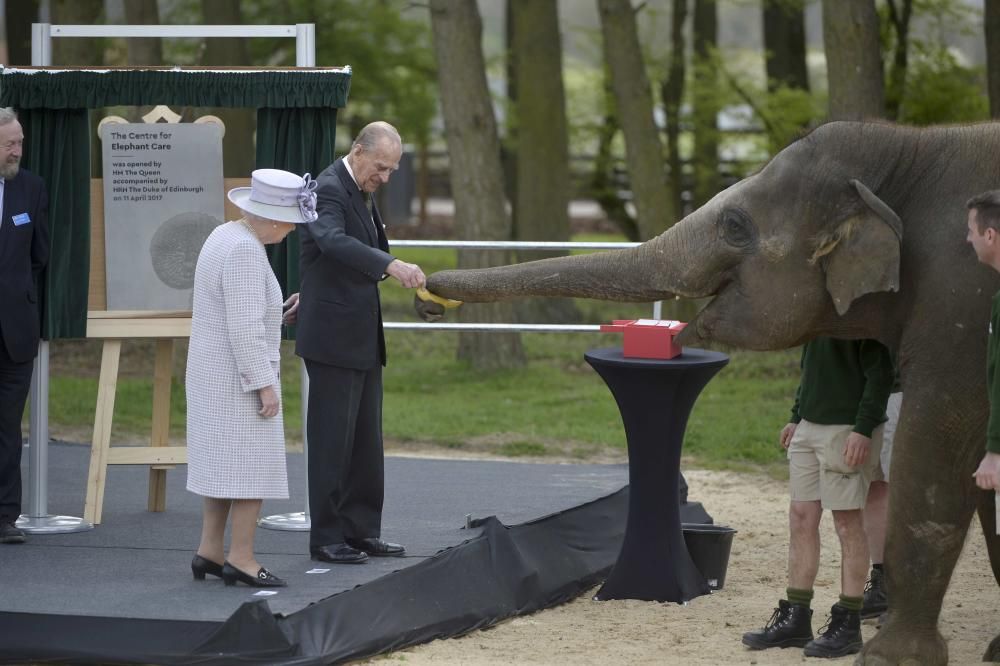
<point x="647" y="338"/>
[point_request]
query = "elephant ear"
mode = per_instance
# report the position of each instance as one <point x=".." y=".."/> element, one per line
<point x="861" y="255"/>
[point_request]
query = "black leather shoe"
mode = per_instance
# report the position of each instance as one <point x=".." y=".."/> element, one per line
<point x="876" y="598"/>
<point x="839" y="637"/>
<point x="264" y="578"/>
<point x="790" y="626"/>
<point x="202" y="565"/>
<point x="338" y="553"/>
<point x="377" y="548"/>
<point x="10" y="534"/>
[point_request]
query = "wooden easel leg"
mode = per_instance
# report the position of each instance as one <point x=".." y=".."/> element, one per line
<point x="107" y="385"/>
<point x="161" y="422"/>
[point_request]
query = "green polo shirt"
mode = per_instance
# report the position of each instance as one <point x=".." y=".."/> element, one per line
<point x="844" y="382"/>
<point x="993" y="379"/>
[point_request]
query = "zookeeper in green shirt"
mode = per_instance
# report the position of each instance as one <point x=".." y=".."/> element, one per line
<point x="833" y="442"/>
<point x="984" y="236"/>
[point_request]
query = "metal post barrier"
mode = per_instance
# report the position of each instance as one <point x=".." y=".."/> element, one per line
<point x="38" y="520"/>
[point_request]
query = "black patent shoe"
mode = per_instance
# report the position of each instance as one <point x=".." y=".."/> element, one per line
<point x="375" y="547"/>
<point x="264" y="578"/>
<point x="202" y="565"/>
<point x="338" y="553"/>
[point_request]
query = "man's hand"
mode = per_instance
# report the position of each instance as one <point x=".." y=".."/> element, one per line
<point x="987" y="475"/>
<point x="269" y="403"/>
<point x="409" y="275"/>
<point x="786" y="435"/>
<point x="856" y="449"/>
<point x="290" y="310"/>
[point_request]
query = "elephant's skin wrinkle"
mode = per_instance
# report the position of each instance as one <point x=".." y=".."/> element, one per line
<point x="942" y="537"/>
<point x="900" y="272"/>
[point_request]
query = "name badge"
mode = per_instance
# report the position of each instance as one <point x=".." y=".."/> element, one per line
<point x="20" y="219"/>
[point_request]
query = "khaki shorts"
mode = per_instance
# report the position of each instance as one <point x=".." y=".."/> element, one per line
<point x="816" y="469"/>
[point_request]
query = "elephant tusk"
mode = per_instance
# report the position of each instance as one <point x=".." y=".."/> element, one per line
<point x="425" y="295"/>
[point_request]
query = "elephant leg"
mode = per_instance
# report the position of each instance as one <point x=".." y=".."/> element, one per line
<point x="988" y="519"/>
<point x="931" y="501"/>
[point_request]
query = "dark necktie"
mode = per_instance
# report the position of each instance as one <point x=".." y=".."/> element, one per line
<point x="368" y="204"/>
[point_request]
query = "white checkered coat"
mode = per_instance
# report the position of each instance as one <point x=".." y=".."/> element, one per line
<point x="235" y="349"/>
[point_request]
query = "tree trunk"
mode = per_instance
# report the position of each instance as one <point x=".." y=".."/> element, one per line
<point x="643" y="149"/>
<point x="785" y="44"/>
<point x="541" y="203"/>
<point x="672" y="92"/>
<point x="76" y="52"/>
<point x="18" y="18"/>
<point x="238" y="154"/>
<point x="508" y="145"/>
<point x="899" y="16"/>
<point x="705" y="104"/>
<point x="476" y="176"/>
<point x="991" y="25"/>
<point x="853" y="61"/>
<point x="143" y="50"/>
<point x="603" y="187"/>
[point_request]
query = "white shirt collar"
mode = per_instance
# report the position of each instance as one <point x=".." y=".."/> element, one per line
<point x="351" y="172"/>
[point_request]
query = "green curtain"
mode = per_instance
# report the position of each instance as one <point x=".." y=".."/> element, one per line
<point x="296" y="128"/>
<point x="57" y="149"/>
<point x="25" y="89"/>
<point x="301" y="141"/>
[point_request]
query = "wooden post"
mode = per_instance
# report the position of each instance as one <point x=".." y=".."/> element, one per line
<point x="101" y="442"/>
<point x="161" y="422"/>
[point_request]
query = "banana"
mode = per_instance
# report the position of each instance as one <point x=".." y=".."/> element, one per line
<point x="425" y="295"/>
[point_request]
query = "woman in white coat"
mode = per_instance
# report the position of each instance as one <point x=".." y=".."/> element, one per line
<point x="235" y="432"/>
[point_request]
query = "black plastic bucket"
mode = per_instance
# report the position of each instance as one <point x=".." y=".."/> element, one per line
<point x="709" y="547"/>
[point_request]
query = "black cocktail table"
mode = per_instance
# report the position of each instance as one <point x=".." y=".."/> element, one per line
<point x="655" y="398"/>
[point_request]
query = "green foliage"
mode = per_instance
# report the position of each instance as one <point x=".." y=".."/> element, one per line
<point x="387" y="44"/>
<point x="939" y="89"/>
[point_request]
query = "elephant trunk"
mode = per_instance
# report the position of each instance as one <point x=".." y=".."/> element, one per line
<point x="659" y="269"/>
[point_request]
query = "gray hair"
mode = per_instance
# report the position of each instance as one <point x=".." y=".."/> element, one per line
<point x="987" y="207"/>
<point x="7" y="115"/>
<point x="376" y="132"/>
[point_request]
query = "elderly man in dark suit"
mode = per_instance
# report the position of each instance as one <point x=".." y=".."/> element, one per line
<point x="344" y="256"/>
<point x="24" y="251"/>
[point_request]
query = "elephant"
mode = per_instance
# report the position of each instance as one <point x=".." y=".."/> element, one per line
<point x="855" y="230"/>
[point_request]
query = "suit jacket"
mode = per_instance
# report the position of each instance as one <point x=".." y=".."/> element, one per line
<point x="343" y="257"/>
<point x="24" y="252"/>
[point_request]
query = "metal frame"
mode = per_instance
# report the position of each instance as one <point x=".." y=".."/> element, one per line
<point x="37" y="520"/>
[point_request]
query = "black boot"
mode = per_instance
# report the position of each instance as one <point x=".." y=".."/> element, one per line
<point x="789" y="626"/>
<point x="841" y="635"/>
<point x="876" y="598"/>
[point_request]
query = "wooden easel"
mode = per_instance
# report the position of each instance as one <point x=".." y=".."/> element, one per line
<point x="113" y="327"/>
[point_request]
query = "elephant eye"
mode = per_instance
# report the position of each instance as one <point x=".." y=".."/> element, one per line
<point x="736" y="228"/>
